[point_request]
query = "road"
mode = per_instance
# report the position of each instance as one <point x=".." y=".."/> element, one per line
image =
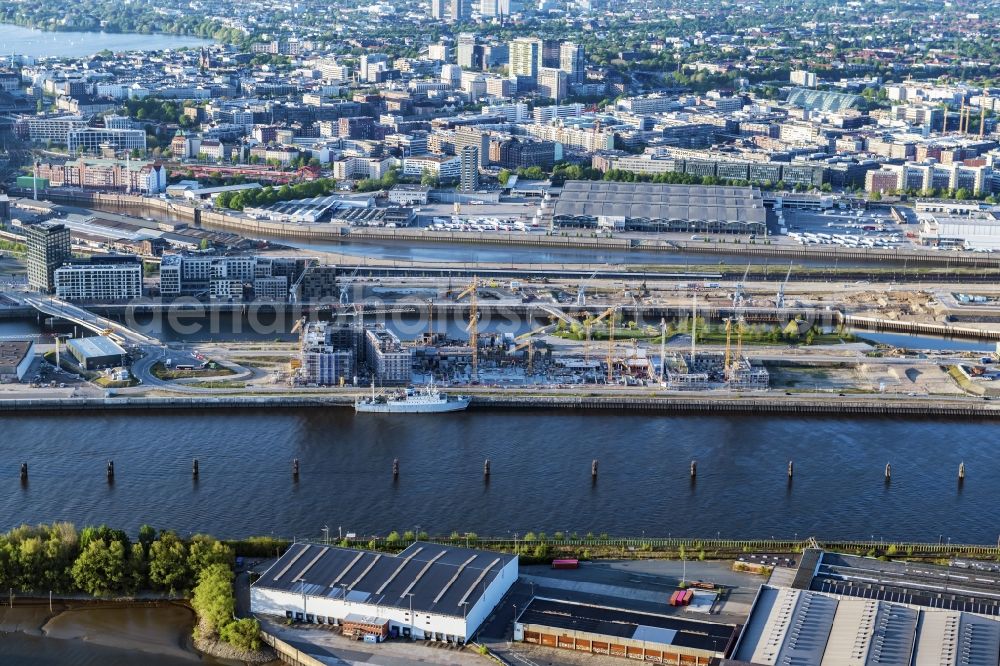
<point x="58" y="308"/>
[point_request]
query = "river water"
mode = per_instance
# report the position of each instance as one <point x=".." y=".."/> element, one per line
<point x="100" y="635"/>
<point x="15" y="39"/>
<point x="540" y="473"/>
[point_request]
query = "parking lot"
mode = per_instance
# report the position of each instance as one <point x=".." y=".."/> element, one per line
<point x="851" y="229"/>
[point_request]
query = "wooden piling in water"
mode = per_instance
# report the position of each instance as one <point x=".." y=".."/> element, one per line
<point x="24" y="472"/>
<point x="486" y="469"/>
<point x="194" y="468"/>
<point x="395" y="468"/>
<point x="961" y="472"/>
<point x="791" y="469"/>
<point x="111" y="471"/>
<point x="295" y="468"/>
<point x="694" y="469"/>
<point x="888" y="472"/>
<point x="593" y="469"/>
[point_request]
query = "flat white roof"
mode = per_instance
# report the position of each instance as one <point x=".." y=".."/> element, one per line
<point x="790" y="626"/>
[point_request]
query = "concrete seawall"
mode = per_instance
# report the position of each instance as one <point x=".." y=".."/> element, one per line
<point x="917" y="328"/>
<point x="675" y="403"/>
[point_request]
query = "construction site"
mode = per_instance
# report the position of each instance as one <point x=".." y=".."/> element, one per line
<point x="584" y="341"/>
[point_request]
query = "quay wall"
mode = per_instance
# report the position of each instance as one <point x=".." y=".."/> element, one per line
<point x="675" y="403"/>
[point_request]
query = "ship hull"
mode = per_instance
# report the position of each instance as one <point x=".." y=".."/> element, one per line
<point x="403" y="407"/>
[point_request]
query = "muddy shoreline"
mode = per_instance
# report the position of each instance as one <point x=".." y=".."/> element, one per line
<point x="100" y="632"/>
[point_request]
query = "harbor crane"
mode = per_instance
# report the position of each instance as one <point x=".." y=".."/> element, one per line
<point x="345" y="287"/>
<point x="740" y="293"/>
<point x="581" y="291"/>
<point x="473" y="328"/>
<point x="293" y="290"/>
<point x="779" y="302"/>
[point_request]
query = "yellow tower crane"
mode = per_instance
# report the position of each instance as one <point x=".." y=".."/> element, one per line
<point x="731" y="362"/>
<point x="740" y="320"/>
<point x="611" y="342"/>
<point x="588" y="324"/>
<point x="729" y="337"/>
<point x="473" y="327"/>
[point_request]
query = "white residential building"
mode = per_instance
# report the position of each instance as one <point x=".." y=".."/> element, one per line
<point x="444" y="167"/>
<point x="98" y="281"/>
<point x="588" y="139"/>
<point x="515" y="112"/>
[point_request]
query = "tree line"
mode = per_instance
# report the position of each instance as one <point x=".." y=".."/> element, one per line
<point x="266" y="196"/>
<point x="562" y="172"/>
<point x="105" y="562"/>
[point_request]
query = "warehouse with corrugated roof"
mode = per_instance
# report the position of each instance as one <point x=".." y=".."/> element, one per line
<point x="97" y="352"/>
<point x="617" y="632"/>
<point x="656" y="207"/>
<point x="428" y="591"/>
<point x="789" y="626"/>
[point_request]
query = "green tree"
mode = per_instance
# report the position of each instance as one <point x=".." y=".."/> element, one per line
<point x="205" y="551"/>
<point x="147" y="535"/>
<point x="168" y="564"/>
<point x="428" y="178"/>
<point x="243" y="634"/>
<point x="213" y="600"/>
<point x="102" y="569"/>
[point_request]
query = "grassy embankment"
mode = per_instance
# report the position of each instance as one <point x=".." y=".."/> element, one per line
<point x="160" y="371"/>
<point x="538" y="547"/>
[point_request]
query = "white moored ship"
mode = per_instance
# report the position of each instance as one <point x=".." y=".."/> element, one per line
<point x="428" y="400"/>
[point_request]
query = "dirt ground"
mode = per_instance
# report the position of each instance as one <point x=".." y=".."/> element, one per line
<point x="868" y="377"/>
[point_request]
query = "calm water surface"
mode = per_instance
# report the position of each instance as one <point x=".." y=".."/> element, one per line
<point x="540" y="473"/>
<point x="42" y="44"/>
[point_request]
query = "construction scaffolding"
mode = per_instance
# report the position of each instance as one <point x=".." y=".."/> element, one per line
<point x="706" y="370"/>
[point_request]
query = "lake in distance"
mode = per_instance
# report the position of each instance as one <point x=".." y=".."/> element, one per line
<point x="15" y="39"/>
